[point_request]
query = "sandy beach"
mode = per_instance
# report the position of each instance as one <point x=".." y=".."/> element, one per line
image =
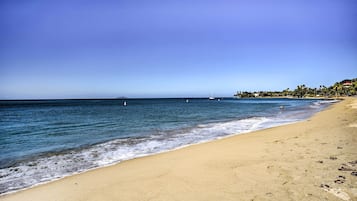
<point x="311" y="160"/>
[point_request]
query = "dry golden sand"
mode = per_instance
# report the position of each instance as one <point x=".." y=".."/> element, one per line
<point x="293" y="162"/>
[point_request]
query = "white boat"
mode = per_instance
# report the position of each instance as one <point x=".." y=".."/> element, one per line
<point x="211" y="98"/>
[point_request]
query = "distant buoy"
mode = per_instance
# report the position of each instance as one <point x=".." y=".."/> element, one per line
<point x="186" y="100"/>
<point x="124" y="103"/>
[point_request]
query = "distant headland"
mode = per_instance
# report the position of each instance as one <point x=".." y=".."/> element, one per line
<point x="347" y="87"/>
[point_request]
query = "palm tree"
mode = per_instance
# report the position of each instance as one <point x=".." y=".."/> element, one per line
<point x="286" y="92"/>
<point x="299" y="91"/>
<point x="315" y="91"/>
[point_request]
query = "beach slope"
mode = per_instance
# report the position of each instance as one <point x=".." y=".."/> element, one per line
<point x="311" y="160"/>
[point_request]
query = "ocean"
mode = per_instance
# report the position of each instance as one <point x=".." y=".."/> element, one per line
<point x="44" y="140"/>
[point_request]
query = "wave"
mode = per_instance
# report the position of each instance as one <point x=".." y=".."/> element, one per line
<point x="320" y="103"/>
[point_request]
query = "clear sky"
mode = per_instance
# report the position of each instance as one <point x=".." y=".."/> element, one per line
<point x="172" y="48"/>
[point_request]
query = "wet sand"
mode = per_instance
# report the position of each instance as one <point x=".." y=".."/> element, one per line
<point x="311" y="160"/>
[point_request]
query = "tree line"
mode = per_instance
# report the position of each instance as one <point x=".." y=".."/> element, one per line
<point x="344" y="88"/>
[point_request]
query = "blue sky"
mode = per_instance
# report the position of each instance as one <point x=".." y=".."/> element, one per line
<point x="173" y="48"/>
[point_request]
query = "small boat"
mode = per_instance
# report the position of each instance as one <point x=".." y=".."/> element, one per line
<point x="187" y="100"/>
<point x="124" y="103"/>
<point x="211" y="98"/>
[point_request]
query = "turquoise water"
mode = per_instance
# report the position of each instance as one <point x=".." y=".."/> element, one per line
<point x="48" y="139"/>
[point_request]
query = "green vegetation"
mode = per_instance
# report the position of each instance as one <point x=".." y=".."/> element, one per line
<point x="343" y="88"/>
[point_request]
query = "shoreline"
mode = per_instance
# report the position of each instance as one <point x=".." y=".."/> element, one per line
<point x="58" y="165"/>
<point x="148" y="155"/>
<point x="193" y="157"/>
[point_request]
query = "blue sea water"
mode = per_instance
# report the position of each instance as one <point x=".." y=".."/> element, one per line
<point x="42" y="140"/>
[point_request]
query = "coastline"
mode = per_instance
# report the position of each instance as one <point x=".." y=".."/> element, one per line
<point x="296" y="161"/>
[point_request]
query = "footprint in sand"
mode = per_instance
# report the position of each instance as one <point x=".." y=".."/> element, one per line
<point x="348" y="167"/>
<point x="333" y="158"/>
<point x="353" y="163"/>
<point x="341" y="177"/>
<point x="340" y="180"/>
<point x="336" y="192"/>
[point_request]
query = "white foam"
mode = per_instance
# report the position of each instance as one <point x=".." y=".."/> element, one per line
<point x="328" y="101"/>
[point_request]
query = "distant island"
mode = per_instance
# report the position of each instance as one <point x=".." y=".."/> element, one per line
<point x="346" y="87"/>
